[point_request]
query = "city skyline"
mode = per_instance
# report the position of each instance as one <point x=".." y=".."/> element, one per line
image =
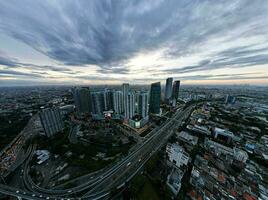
<point x="113" y="42"/>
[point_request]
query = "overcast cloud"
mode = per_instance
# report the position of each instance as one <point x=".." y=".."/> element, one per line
<point x="134" y="40"/>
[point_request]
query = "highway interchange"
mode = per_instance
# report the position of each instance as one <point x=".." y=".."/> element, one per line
<point x="98" y="186"/>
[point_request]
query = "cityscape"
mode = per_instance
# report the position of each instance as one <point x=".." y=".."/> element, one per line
<point x="125" y="142"/>
<point x="133" y="100"/>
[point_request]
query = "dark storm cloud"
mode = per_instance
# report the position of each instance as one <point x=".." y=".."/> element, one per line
<point x="103" y="32"/>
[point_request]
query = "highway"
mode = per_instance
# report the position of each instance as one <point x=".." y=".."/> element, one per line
<point x="116" y="176"/>
<point x="134" y="163"/>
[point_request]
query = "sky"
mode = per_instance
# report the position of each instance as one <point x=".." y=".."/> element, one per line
<point x="136" y="41"/>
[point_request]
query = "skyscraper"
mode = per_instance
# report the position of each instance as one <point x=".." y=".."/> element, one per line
<point x="51" y="121"/>
<point x="125" y="89"/>
<point x="155" y="98"/>
<point x="131" y="105"/>
<point x="108" y="99"/>
<point x="168" y="91"/>
<point x="82" y="99"/>
<point x="143" y="104"/>
<point x="97" y="98"/>
<point x="118" y="102"/>
<point x="176" y="90"/>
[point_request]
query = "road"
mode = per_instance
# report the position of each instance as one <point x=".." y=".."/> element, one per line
<point x="132" y="165"/>
<point x="100" y="186"/>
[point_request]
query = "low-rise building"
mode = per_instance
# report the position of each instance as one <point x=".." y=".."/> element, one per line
<point x="174" y="180"/>
<point x="177" y="156"/>
<point x="138" y="122"/>
<point x="42" y="156"/>
<point x="222" y="134"/>
<point x="199" y="129"/>
<point x="187" y="137"/>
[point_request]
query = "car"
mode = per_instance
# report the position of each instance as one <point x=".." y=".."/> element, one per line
<point x="17" y="191"/>
<point x="139" y="159"/>
<point x="129" y="164"/>
<point x="33" y="195"/>
<point x="69" y="191"/>
<point x="47" y="198"/>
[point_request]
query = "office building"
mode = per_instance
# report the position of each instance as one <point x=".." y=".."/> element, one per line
<point x="143" y="100"/>
<point x="125" y="90"/>
<point x="118" y="102"/>
<point x="82" y="100"/>
<point x="51" y="121"/>
<point x="168" y="91"/>
<point x="155" y="98"/>
<point x="176" y="90"/>
<point x="97" y="99"/>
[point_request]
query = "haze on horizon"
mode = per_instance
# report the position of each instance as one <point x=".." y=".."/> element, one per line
<point x="110" y="42"/>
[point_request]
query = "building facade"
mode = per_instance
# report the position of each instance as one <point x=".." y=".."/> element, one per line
<point x="82" y="100"/>
<point x="176" y="90"/>
<point x="51" y="121"/>
<point x="131" y="105"/>
<point x="229" y="99"/>
<point x="125" y="90"/>
<point x="118" y="102"/>
<point x="143" y="100"/>
<point x="108" y="99"/>
<point x="155" y="98"/>
<point x="97" y="99"/>
<point x="168" y="91"/>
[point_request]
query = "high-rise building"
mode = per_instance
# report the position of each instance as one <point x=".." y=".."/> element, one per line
<point x="108" y="99"/>
<point x="131" y="105"/>
<point x="82" y="100"/>
<point x="229" y="99"/>
<point x="97" y="98"/>
<point x="143" y="99"/>
<point x="125" y="89"/>
<point x="118" y="102"/>
<point x="168" y="91"/>
<point x="176" y="90"/>
<point x="155" y="98"/>
<point x="51" y="121"/>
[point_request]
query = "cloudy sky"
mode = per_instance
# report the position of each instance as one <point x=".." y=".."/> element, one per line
<point x="110" y="42"/>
